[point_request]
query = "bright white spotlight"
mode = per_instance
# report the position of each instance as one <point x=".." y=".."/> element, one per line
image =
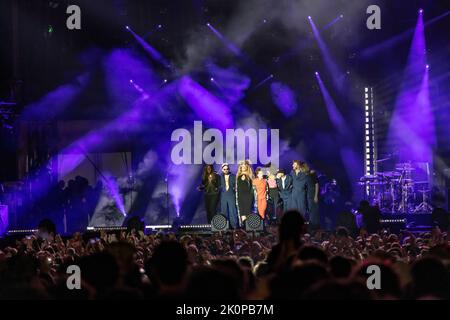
<point x="208" y="24"/>
<point x="316" y="73"/>
<point x="309" y="17"/>
<point x="420" y="10"/>
<point x="341" y="15"/>
<point x="427" y="66"/>
<point x="212" y="79"/>
<point x="127" y="27"/>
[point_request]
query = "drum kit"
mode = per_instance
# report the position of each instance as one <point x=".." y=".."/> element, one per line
<point x="396" y="191"/>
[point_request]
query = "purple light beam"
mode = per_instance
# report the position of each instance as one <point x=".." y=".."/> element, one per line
<point x="207" y="106"/>
<point x="412" y="128"/>
<point x="149" y="49"/>
<point x="224" y="40"/>
<point x="330" y="64"/>
<point x="335" y="115"/>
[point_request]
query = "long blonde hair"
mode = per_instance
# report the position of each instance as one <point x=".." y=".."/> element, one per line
<point x="248" y="172"/>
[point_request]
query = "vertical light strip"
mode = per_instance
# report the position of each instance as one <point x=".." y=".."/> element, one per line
<point x="370" y="154"/>
<point x="374" y="140"/>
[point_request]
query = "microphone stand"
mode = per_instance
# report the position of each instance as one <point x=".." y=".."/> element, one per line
<point x="167" y="198"/>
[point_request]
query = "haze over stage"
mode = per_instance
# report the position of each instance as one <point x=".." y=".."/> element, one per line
<point x="103" y="102"/>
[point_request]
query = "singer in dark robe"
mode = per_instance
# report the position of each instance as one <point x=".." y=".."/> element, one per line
<point x="210" y="186"/>
<point x="298" y="198"/>
<point x="228" y="196"/>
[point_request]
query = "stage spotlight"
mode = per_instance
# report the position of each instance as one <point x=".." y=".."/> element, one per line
<point x="165" y="80"/>
<point x="212" y="79"/>
<point x="159" y="26"/>
<point x="316" y="73"/>
<point x="427" y="66"/>
<point x="127" y="27"/>
<point x="254" y="223"/>
<point x="208" y="24"/>
<point x="264" y="21"/>
<point x="219" y="223"/>
<point x="309" y="17"/>
<point x="341" y="15"/>
<point x="420" y="11"/>
<point x="131" y="81"/>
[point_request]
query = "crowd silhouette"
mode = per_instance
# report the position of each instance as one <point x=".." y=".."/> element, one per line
<point x="283" y="263"/>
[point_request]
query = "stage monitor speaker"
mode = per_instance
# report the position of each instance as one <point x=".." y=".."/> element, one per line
<point x="219" y="223"/>
<point x="254" y="223"/>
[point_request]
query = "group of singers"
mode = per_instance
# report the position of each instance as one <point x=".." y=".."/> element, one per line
<point x="246" y="192"/>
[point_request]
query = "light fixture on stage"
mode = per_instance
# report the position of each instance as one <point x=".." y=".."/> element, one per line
<point x="208" y="24"/>
<point x="370" y="154"/>
<point x="394" y="225"/>
<point x="195" y="228"/>
<point x="212" y="79"/>
<point x="341" y="16"/>
<point x="219" y="223"/>
<point x="22" y="231"/>
<point x="254" y="223"/>
<point x="309" y="17"/>
<point x="158" y="226"/>
<point x="111" y="228"/>
<point x="427" y="66"/>
<point x="127" y="27"/>
<point x="420" y="10"/>
<point x="316" y="73"/>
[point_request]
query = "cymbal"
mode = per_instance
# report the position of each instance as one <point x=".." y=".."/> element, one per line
<point x="368" y="177"/>
<point x="376" y="183"/>
<point x="400" y="168"/>
<point x="404" y="164"/>
<point x="391" y="174"/>
<point x="405" y="180"/>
